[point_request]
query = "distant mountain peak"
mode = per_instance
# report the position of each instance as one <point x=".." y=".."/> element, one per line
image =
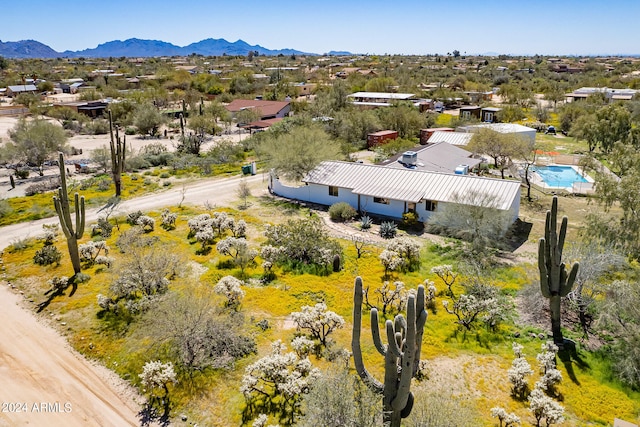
<point x="134" y="47"/>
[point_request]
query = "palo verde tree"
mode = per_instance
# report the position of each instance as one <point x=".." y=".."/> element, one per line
<point x="401" y="354"/>
<point x="62" y="205"/>
<point x="118" y="149"/>
<point x="34" y="141"/>
<point x="555" y="283"/>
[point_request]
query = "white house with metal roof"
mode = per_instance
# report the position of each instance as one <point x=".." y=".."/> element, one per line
<point x="509" y="128"/>
<point x="390" y="192"/>
<point x="380" y="99"/>
<point x="453" y="138"/>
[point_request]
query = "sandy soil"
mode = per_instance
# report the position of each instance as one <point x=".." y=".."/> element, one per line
<point x="44" y="382"/>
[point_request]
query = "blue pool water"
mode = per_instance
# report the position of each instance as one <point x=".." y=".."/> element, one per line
<point x="559" y="176"/>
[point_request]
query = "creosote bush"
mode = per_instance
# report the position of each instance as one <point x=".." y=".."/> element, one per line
<point x="341" y="211"/>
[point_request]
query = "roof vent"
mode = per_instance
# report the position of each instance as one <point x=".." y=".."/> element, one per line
<point x="409" y="158"/>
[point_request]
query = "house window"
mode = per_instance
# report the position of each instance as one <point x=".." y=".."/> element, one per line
<point x="488" y="117"/>
<point x="333" y="191"/>
<point x="411" y="207"/>
<point x="430" y="205"/>
<point x="381" y="200"/>
<point x="466" y="115"/>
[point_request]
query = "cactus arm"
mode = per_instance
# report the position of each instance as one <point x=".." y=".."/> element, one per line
<point x="400" y="400"/>
<point x="400" y="324"/>
<point x="568" y="285"/>
<point x="366" y="377"/>
<point x="542" y="266"/>
<point x="392" y="338"/>
<point x="80" y="216"/>
<point x="375" y="332"/>
<point x="562" y="235"/>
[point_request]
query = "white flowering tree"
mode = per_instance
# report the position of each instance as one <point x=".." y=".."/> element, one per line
<point x="506" y="419"/>
<point x="544" y="407"/>
<point x="155" y="378"/>
<point x="303" y="346"/>
<point x="238" y="249"/>
<point x="168" y="219"/>
<point x="551" y="376"/>
<point x="200" y="227"/>
<point x="147" y="223"/>
<point x="408" y="250"/>
<point x="278" y="380"/>
<point x="390" y="296"/>
<point x="391" y="261"/>
<point x="319" y="321"/>
<point x="447" y="275"/>
<point x="231" y="289"/>
<point x="518" y="373"/>
<point x="90" y="251"/>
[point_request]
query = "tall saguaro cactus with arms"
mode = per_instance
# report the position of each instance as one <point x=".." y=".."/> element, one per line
<point x="62" y="205"/>
<point x="555" y="283"/>
<point x="117" y="147"/>
<point x="401" y="354"/>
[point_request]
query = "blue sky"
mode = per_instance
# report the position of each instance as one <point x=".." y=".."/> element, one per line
<point x="548" y="27"/>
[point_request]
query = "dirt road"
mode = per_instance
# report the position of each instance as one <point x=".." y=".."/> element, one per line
<point x="43" y="382"/>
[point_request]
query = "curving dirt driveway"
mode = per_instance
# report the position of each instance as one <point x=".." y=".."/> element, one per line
<point x="43" y="382"/>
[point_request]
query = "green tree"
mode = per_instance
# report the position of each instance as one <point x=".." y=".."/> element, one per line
<point x="294" y="154"/>
<point x="403" y="118"/>
<point x="35" y="141"/>
<point x="147" y="119"/>
<point x="604" y="128"/>
<point x="501" y="147"/>
<point x="480" y="223"/>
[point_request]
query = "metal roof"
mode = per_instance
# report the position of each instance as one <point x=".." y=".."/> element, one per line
<point x="453" y="138"/>
<point x="438" y="157"/>
<point x="381" y="95"/>
<point x="411" y="185"/>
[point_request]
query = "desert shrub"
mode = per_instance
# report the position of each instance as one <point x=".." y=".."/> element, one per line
<point x="338" y="399"/>
<point x="5" y="208"/>
<point x="302" y="243"/>
<point x="168" y="219"/>
<point x="42" y="187"/>
<point x="47" y="255"/>
<point x="341" y="211"/>
<point x="435" y="407"/>
<point x="22" y="173"/>
<point x="132" y="218"/>
<point x="198" y="334"/>
<point x="388" y="230"/>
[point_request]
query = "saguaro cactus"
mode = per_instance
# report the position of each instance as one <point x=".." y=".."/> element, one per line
<point x="555" y="283"/>
<point x="117" y="156"/>
<point x="61" y="203"/>
<point x="401" y="354"/>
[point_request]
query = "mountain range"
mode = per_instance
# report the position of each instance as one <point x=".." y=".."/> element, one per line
<point x="142" y="48"/>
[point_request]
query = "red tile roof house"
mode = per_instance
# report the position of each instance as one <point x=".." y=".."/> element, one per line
<point x="267" y="109"/>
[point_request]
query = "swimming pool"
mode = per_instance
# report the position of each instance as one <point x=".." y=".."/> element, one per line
<point x="556" y="176"/>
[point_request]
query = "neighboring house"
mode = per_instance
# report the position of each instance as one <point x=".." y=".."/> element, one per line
<point x="260" y="125"/>
<point x="267" y="109"/>
<point x="381" y="99"/>
<point x="390" y="192"/>
<point x="610" y="94"/>
<point x="381" y="137"/>
<point x="469" y="112"/>
<point x="425" y="134"/>
<point x="438" y="157"/>
<point x="92" y="109"/>
<point x="459" y="139"/>
<point x="489" y="114"/>
<point x="510" y="128"/>
<point x="13" y="91"/>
